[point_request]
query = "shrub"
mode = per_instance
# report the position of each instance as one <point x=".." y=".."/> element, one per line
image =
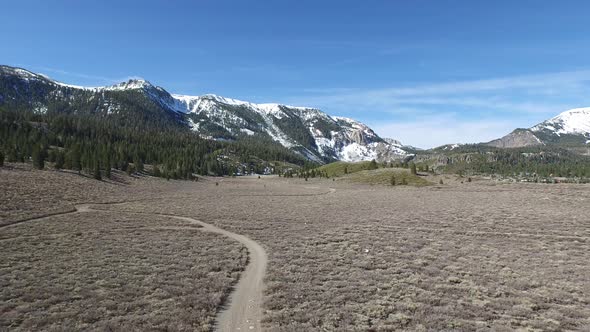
<point x="373" y="165"/>
<point x="130" y="169"/>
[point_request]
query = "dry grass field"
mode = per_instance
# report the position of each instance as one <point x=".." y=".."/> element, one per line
<point x="27" y="193"/>
<point x="341" y="256"/>
<point x="99" y="271"/>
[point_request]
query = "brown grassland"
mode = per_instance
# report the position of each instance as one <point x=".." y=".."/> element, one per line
<point x="342" y="256"/>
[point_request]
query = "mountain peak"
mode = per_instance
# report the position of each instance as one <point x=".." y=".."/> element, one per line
<point x="569" y="128"/>
<point x="574" y="121"/>
<point x="20" y="72"/>
<point x="131" y="84"/>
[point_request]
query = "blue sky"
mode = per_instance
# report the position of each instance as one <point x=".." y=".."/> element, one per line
<point x="425" y="72"/>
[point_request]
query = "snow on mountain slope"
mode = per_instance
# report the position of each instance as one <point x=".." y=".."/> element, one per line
<point x="570" y="128"/>
<point x="307" y="131"/>
<point x="575" y="121"/>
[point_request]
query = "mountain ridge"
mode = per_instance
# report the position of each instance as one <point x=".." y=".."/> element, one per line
<point x="569" y="128"/>
<point x="306" y="130"/>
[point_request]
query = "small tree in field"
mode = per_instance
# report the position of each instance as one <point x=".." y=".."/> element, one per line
<point x="440" y="182"/>
<point x="156" y="171"/>
<point x="392" y="180"/>
<point x="413" y="169"/>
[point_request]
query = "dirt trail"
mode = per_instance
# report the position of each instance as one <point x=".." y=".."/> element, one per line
<point x="243" y="311"/>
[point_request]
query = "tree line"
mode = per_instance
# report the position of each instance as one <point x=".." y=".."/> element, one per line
<point x="93" y="144"/>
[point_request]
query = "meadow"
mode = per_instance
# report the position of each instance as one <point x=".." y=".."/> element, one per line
<point x="342" y="255"/>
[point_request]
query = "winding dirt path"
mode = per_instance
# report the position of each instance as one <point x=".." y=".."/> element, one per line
<point x="243" y="310"/>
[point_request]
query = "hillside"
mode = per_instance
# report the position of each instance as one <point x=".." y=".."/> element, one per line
<point x="568" y="129"/>
<point x="306" y="131"/>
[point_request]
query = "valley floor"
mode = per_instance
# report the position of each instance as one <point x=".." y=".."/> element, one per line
<point x="341" y="256"/>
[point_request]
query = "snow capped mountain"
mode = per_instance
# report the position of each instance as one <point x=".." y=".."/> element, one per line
<point x="572" y="122"/>
<point x="571" y="128"/>
<point x="131" y="84"/>
<point x="307" y="131"/>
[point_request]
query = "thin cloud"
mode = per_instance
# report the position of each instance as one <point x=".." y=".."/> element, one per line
<point x="544" y="93"/>
<point x="440" y="130"/>
<point x="471" y="111"/>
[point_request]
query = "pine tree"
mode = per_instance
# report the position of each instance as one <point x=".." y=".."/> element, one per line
<point x="38" y="157"/>
<point x="107" y="166"/>
<point x="97" y="174"/>
<point x="138" y="163"/>
<point x="51" y="156"/>
<point x="59" y="160"/>
<point x="11" y="155"/>
<point x="75" y="159"/>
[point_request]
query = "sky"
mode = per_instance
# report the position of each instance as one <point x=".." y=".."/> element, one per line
<point x="424" y="72"/>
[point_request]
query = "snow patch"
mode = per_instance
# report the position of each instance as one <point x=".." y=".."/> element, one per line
<point x="574" y="121"/>
<point x="247" y="131"/>
<point x="132" y="84"/>
<point x="355" y="152"/>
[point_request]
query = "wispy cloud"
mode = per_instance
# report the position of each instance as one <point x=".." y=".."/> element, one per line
<point x="542" y="84"/>
<point x="464" y="111"/>
<point x="444" y="129"/>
